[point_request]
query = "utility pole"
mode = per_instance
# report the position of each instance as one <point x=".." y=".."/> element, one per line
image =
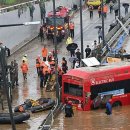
<point x="81" y="30"/>
<point x="56" y="60"/>
<point x="3" y="65"/>
<point x="119" y="8"/>
<point x="103" y="37"/>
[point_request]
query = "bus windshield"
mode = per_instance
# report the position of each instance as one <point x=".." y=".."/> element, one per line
<point x="59" y="21"/>
<point x="73" y="89"/>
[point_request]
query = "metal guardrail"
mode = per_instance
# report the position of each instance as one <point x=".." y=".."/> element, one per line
<point x="116" y="33"/>
<point x="48" y="121"/>
<point x="5" y="9"/>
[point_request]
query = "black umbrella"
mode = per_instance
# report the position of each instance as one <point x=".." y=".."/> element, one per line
<point x="125" y="4"/>
<point x="116" y="7"/>
<point x="71" y="59"/>
<point x="99" y="26"/>
<point x="72" y="47"/>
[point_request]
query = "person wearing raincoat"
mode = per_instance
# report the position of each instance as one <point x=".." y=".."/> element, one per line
<point x="108" y="108"/>
<point x="69" y="41"/>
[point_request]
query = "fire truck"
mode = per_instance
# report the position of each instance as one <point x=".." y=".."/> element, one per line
<point x="62" y="21"/>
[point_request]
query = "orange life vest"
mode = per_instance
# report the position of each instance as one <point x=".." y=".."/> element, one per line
<point x="71" y="26"/>
<point x="44" y="52"/>
<point x="24" y="67"/>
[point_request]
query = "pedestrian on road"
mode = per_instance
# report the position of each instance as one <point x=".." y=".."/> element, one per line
<point x="105" y="10"/>
<point x="46" y="77"/>
<point x="91" y="11"/>
<point x="116" y="13"/>
<point x="111" y="4"/>
<point x="19" y="11"/>
<point x="31" y="9"/>
<point x="78" y="55"/>
<point x="69" y="110"/>
<point x="71" y="27"/>
<point x="126" y="9"/>
<point x="38" y="63"/>
<point x="64" y="65"/>
<point x="77" y="64"/>
<point x="12" y="74"/>
<point x="99" y="35"/>
<point x="16" y="72"/>
<point x="88" y="51"/>
<point x="41" y="34"/>
<point x="72" y="53"/>
<point x="41" y="74"/>
<point x="24" y="68"/>
<point x="108" y="108"/>
<point x="44" y="53"/>
<point x="94" y="49"/>
<point x="99" y="11"/>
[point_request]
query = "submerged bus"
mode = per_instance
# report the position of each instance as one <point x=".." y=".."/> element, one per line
<point x="83" y="85"/>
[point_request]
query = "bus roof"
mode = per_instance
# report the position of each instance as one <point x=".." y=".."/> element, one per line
<point x="84" y="72"/>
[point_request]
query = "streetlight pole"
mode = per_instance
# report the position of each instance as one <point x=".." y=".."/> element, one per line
<point x="119" y="8"/>
<point x="5" y="85"/>
<point x="103" y="37"/>
<point x="56" y="60"/>
<point x="81" y="30"/>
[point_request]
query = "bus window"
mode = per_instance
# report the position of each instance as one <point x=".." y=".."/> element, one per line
<point x="73" y="89"/>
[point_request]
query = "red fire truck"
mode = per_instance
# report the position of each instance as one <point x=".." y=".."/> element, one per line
<point x="62" y="21"/>
<point x="90" y="87"/>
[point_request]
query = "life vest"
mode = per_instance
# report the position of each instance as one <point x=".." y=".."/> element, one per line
<point x="71" y="26"/>
<point x="44" y="52"/>
<point x="37" y="63"/>
<point x="24" y="68"/>
<point x="105" y="9"/>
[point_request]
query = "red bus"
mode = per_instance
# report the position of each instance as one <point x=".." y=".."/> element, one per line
<point x="83" y="85"/>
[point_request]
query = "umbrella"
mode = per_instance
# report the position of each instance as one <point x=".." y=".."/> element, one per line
<point x="125" y="4"/>
<point x="99" y="26"/>
<point x="116" y="7"/>
<point x="72" y="47"/>
<point x="71" y="59"/>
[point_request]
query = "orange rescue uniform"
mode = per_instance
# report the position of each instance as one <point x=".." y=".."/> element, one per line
<point x="24" y="67"/>
<point x="44" y="52"/>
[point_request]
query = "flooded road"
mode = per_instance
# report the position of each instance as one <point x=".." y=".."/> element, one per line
<point x="95" y="120"/>
<point x="29" y="89"/>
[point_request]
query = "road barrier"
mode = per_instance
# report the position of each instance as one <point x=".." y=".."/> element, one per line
<point x="115" y="33"/>
<point x="48" y="121"/>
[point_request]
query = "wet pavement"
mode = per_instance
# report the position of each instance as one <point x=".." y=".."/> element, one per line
<point x="12" y="36"/>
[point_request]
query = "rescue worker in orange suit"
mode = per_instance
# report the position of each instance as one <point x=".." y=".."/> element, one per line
<point x="105" y="10"/>
<point x="38" y="63"/>
<point x="69" y="110"/>
<point x="24" y="68"/>
<point x="44" y="53"/>
<point x="71" y="27"/>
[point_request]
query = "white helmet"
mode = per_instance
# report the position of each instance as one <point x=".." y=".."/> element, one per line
<point x="25" y="55"/>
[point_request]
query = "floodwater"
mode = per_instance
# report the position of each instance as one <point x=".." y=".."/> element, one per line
<point x="95" y="120"/>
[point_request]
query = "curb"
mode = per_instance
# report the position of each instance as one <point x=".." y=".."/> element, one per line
<point x="21" y="45"/>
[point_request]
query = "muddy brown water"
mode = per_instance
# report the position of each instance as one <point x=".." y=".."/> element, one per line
<point x="95" y="120"/>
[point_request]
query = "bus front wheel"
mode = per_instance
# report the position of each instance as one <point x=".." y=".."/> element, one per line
<point x="116" y="104"/>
